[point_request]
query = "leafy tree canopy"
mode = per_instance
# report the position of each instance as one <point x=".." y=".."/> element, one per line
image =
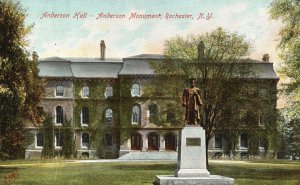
<point x="288" y="11"/>
<point x="20" y="87"/>
<point x="221" y="69"/>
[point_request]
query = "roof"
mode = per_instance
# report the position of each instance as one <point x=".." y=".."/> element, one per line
<point x="95" y="70"/>
<point x="138" y="65"/>
<point x="147" y="56"/>
<point x="265" y="70"/>
<point x="58" y="68"/>
<point x="79" y="67"/>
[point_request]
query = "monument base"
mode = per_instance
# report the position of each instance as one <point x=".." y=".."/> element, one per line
<point x="192" y="173"/>
<point x="191" y="164"/>
<point x="212" y="180"/>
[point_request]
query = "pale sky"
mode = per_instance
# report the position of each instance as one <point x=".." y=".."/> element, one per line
<point x="71" y="37"/>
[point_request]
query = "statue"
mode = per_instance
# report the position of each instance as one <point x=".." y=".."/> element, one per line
<point x="192" y="102"/>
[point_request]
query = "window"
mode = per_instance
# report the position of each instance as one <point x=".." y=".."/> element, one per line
<point x="39" y="139"/>
<point x="59" y="90"/>
<point x="152" y="113"/>
<point x="260" y="120"/>
<point x="85" y="116"/>
<point x="135" y="90"/>
<point x="263" y="92"/>
<point x="108" y="91"/>
<point x="58" y="139"/>
<point x="108" y="139"/>
<point x="108" y="116"/>
<point x="136" y="114"/>
<point x="85" y="91"/>
<point x="85" y="140"/>
<point x="262" y="144"/>
<point x="59" y="115"/>
<point x="218" y="141"/>
<point x="244" y="141"/>
<point x="170" y="117"/>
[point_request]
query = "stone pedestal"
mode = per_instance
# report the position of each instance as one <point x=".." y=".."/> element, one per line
<point x="191" y="164"/>
<point x="192" y="153"/>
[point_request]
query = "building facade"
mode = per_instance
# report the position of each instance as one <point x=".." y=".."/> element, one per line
<point x="112" y="118"/>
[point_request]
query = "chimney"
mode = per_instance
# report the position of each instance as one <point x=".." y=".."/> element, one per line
<point x="200" y="51"/>
<point x="102" y="50"/>
<point x="266" y="58"/>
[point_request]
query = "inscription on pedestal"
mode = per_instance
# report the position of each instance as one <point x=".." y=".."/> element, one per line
<point x="193" y="142"/>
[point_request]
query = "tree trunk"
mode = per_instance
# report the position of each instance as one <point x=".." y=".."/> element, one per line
<point x="206" y="151"/>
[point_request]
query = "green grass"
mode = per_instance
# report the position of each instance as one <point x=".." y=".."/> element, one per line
<point x="135" y="173"/>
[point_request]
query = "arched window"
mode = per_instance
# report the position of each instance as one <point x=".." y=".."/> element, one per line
<point x="152" y="112"/>
<point x="108" y="91"/>
<point x="85" y="116"/>
<point x="108" y="139"/>
<point x="85" y="140"/>
<point x="135" y="90"/>
<point x="108" y="116"/>
<point x="39" y="139"/>
<point x="136" y="114"/>
<point x="59" y="113"/>
<point x="244" y="141"/>
<point x="170" y="117"/>
<point x="59" y="91"/>
<point x="85" y="91"/>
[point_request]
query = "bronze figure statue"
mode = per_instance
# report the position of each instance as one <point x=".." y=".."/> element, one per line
<point x="192" y="102"/>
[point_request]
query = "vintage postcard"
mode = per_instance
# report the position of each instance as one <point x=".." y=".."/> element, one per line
<point x="144" y="92"/>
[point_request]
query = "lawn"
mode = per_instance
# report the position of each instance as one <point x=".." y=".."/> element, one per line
<point x="135" y="173"/>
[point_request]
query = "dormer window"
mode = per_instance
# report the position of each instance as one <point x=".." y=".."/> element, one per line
<point x="59" y="91"/>
<point x="135" y="90"/>
<point x="85" y="91"/>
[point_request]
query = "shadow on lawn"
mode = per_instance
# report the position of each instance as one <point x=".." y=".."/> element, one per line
<point x="262" y="173"/>
<point x="5" y="170"/>
<point x="150" y="167"/>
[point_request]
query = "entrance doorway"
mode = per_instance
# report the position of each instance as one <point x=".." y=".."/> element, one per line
<point x="136" y="141"/>
<point x="153" y="141"/>
<point x="170" y="142"/>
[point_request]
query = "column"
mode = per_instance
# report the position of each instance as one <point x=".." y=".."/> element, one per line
<point x="145" y="141"/>
<point x="161" y="142"/>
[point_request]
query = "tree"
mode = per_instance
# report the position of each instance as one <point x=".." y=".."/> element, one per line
<point x="290" y="135"/>
<point x="20" y="87"/>
<point x="68" y="145"/>
<point x="224" y="78"/>
<point x="288" y="11"/>
<point x="48" y="148"/>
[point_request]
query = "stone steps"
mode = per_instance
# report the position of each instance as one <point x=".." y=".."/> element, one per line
<point x="149" y="155"/>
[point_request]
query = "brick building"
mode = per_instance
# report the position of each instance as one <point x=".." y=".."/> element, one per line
<point x="111" y="116"/>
